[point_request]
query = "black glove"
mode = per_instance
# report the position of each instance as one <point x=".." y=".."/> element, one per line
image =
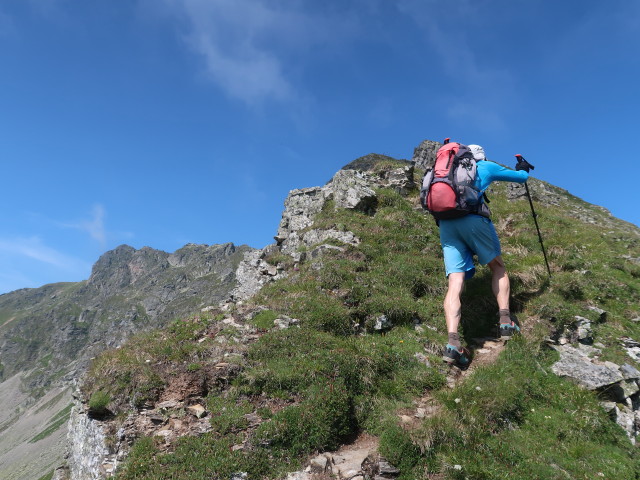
<point x="523" y="164"/>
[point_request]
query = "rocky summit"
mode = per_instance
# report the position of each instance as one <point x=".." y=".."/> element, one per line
<point x="318" y="357"/>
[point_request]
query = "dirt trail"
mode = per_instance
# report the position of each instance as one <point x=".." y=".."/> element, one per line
<point x="359" y="460"/>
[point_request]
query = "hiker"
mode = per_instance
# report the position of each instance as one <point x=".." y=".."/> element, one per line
<point x="469" y="232"/>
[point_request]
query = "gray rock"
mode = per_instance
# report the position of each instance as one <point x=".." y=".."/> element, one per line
<point x="382" y="323"/>
<point x="424" y="155"/>
<point x="629" y="372"/>
<point x="588" y="350"/>
<point x="629" y="388"/>
<point x="516" y="191"/>
<point x="313" y="237"/>
<point x="386" y="469"/>
<point x="351" y="190"/>
<point x="88" y="452"/>
<point x="602" y="314"/>
<point x="629" y="342"/>
<point x="398" y="179"/>
<point x="60" y="473"/>
<point x="608" y="406"/>
<point x="285" y="322"/>
<point x="299" y="476"/>
<point x="321" y="464"/>
<point x="422" y="358"/>
<point x="626" y="418"/>
<point x="249" y="276"/>
<point x="300" y="207"/>
<point x="584" y="331"/>
<point x="583" y="371"/>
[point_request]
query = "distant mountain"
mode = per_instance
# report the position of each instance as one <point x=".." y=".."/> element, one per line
<point x="49" y="334"/>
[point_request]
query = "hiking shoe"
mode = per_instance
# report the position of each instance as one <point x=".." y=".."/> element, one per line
<point x="508" y="330"/>
<point x="459" y="358"/>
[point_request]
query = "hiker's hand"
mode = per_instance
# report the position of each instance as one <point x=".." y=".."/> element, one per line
<point x="523" y="164"/>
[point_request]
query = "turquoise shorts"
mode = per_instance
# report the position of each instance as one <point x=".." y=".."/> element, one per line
<point x="465" y="237"/>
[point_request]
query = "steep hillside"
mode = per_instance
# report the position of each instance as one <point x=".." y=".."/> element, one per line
<point x="345" y="347"/>
<point x="48" y="334"/>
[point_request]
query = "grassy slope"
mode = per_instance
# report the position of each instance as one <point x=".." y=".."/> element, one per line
<point x="334" y="377"/>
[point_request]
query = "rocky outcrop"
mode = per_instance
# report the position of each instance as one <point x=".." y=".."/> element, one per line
<point x="617" y="385"/>
<point x="253" y="273"/>
<point x="88" y="458"/>
<point x="424" y="155"/>
<point x="300" y="208"/>
<point x="352" y="188"/>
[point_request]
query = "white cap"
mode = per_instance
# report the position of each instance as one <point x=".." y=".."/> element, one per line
<point x="478" y="152"/>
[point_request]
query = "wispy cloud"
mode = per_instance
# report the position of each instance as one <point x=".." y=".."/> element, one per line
<point x="34" y="248"/>
<point x="251" y="48"/>
<point x="95" y="226"/>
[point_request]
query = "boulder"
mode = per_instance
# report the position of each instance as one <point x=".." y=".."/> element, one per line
<point x="582" y="370"/>
<point x="629" y="372"/>
<point x="382" y="323"/>
<point x="584" y="331"/>
<point x="197" y="411"/>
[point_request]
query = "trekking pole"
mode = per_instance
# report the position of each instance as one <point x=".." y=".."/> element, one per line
<point x="533" y="213"/>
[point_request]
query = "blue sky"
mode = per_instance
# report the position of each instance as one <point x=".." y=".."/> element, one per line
<point x="165" y="122"/>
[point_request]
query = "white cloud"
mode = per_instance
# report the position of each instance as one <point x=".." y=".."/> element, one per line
<point x="94" y="226"/>
<point x="35" y="249"/>
<point x="251" y="48"/>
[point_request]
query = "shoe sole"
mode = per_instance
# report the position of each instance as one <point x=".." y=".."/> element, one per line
<point x="454" y="363"/>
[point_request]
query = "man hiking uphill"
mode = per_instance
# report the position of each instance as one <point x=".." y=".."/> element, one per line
<point x="453" y="192"/>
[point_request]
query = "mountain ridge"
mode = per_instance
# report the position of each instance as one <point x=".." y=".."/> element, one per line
<point x="359" y="269"/>
<point x="314" y="229"/>
<point x="49" y="334"/>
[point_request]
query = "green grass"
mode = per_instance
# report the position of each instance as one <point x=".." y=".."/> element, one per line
<point x="136" y="373"/>
<point x="264" y="320"/>
<point x="320" y="384"/>
<point x="515" y="419"/>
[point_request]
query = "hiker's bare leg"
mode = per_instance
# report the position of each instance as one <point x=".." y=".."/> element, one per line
<point x="452" y="303"/>
<point x="500" y="282"/>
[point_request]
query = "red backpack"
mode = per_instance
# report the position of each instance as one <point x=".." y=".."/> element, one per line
<point x="448" y="189"/>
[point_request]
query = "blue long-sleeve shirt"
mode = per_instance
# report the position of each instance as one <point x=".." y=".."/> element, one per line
<point x="490" y="172"/>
